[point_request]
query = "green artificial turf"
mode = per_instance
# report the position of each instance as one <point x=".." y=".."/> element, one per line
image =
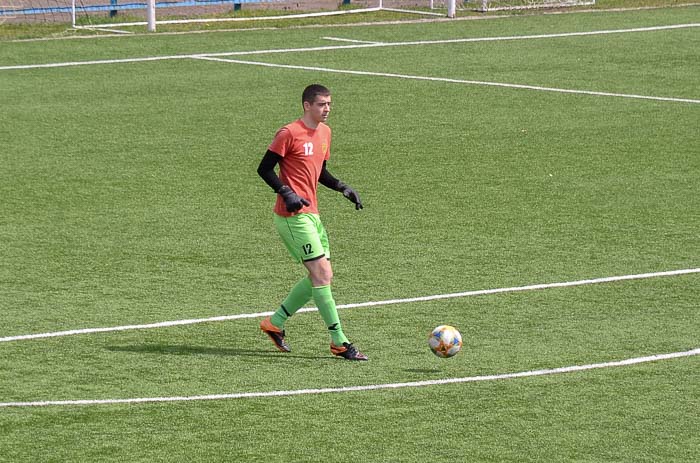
<point x="129" y="196"/>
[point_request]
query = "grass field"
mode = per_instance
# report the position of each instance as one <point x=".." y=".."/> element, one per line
<point x="129" y="197"/>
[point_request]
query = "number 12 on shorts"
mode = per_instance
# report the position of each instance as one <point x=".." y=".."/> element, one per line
<point x="307" y="249"/>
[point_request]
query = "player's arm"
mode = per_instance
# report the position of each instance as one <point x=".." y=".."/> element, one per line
<point x="266" y="170"/>
<point x="329" y="181"/>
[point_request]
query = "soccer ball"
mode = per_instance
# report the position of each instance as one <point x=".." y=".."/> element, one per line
<point x="445" y="341"/>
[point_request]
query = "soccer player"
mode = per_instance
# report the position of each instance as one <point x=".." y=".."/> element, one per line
<point x="302" y="148"/>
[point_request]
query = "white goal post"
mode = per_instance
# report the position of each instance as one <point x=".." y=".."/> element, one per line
<point x="96" y="14"/>
<point x="431" y="8"/>
<point x="200" y="11"/>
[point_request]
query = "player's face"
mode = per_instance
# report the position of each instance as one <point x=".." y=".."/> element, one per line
<point x="319" y="109"/>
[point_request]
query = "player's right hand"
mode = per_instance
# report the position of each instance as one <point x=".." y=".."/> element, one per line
<point x="353" y="196"/>
<point x="292" y="201"/>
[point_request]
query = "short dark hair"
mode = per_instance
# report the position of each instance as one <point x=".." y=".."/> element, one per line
<point x="312" y="91"/>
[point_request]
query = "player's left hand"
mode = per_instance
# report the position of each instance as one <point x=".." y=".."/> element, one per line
<point x="353" y="196"/>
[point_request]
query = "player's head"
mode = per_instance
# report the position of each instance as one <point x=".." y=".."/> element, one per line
<point x="316" y="100"/>
<point x="312" y="91"/>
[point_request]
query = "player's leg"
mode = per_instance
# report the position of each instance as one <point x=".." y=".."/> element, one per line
<point x="292" y="230"/>
<point x="321" y="276"/>
<point x="295" y="300"/>
<point x="298" y="234"/>
<point x="273" y="326"/>
<point x="307" y="242"/>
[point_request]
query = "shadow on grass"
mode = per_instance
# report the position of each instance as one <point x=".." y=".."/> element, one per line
<point x="171" y="349"/>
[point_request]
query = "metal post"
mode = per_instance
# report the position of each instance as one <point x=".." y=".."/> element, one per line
<point x="451" y="8"/>
<point x="151" y="15"/>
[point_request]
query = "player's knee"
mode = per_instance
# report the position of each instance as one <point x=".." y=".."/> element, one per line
<point x="328" y="273"/>
<point x="322" y="276"/>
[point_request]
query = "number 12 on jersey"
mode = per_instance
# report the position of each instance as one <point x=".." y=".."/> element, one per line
<point x="308" y="149"/>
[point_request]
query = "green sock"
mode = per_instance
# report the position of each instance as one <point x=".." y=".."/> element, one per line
<point x="326" y="306"/>
<point x="296" y="299"/>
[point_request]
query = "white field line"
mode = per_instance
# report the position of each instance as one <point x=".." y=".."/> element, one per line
<point x="92" y="63"/>
<point x="452" y="81"/>
<point x="340" y="39"/>
<point x="356" y="305"/>
<point x="268" y="18"/>
<point x="397" y="10"/>
<point x="529" y="37"/>
<point x="348" y="47"/>
<point x="371" y="387"/>
<point x="102" y="29"/>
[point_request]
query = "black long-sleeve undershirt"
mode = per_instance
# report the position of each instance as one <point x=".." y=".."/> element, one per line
<point x="266" y="170"/>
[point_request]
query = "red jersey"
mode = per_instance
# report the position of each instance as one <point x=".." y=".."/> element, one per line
<point x="303" y="151"/>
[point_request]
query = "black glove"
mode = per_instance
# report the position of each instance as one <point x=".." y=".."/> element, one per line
<point x="293" y="201"/>
<point x="352" y="196"/>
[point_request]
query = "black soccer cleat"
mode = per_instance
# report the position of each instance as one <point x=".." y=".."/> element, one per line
<point x="275" y="334"/>
<point x="348" y="352"/>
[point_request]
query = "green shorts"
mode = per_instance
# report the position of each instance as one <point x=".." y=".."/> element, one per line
<point x="304" y="236"/>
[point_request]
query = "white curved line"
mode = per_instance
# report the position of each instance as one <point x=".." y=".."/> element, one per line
<point x="370" y="387"/>
<point x="435" y="297"/>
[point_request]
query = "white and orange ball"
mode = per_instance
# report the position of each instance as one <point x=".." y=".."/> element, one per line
<point x="445" y="341"/>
